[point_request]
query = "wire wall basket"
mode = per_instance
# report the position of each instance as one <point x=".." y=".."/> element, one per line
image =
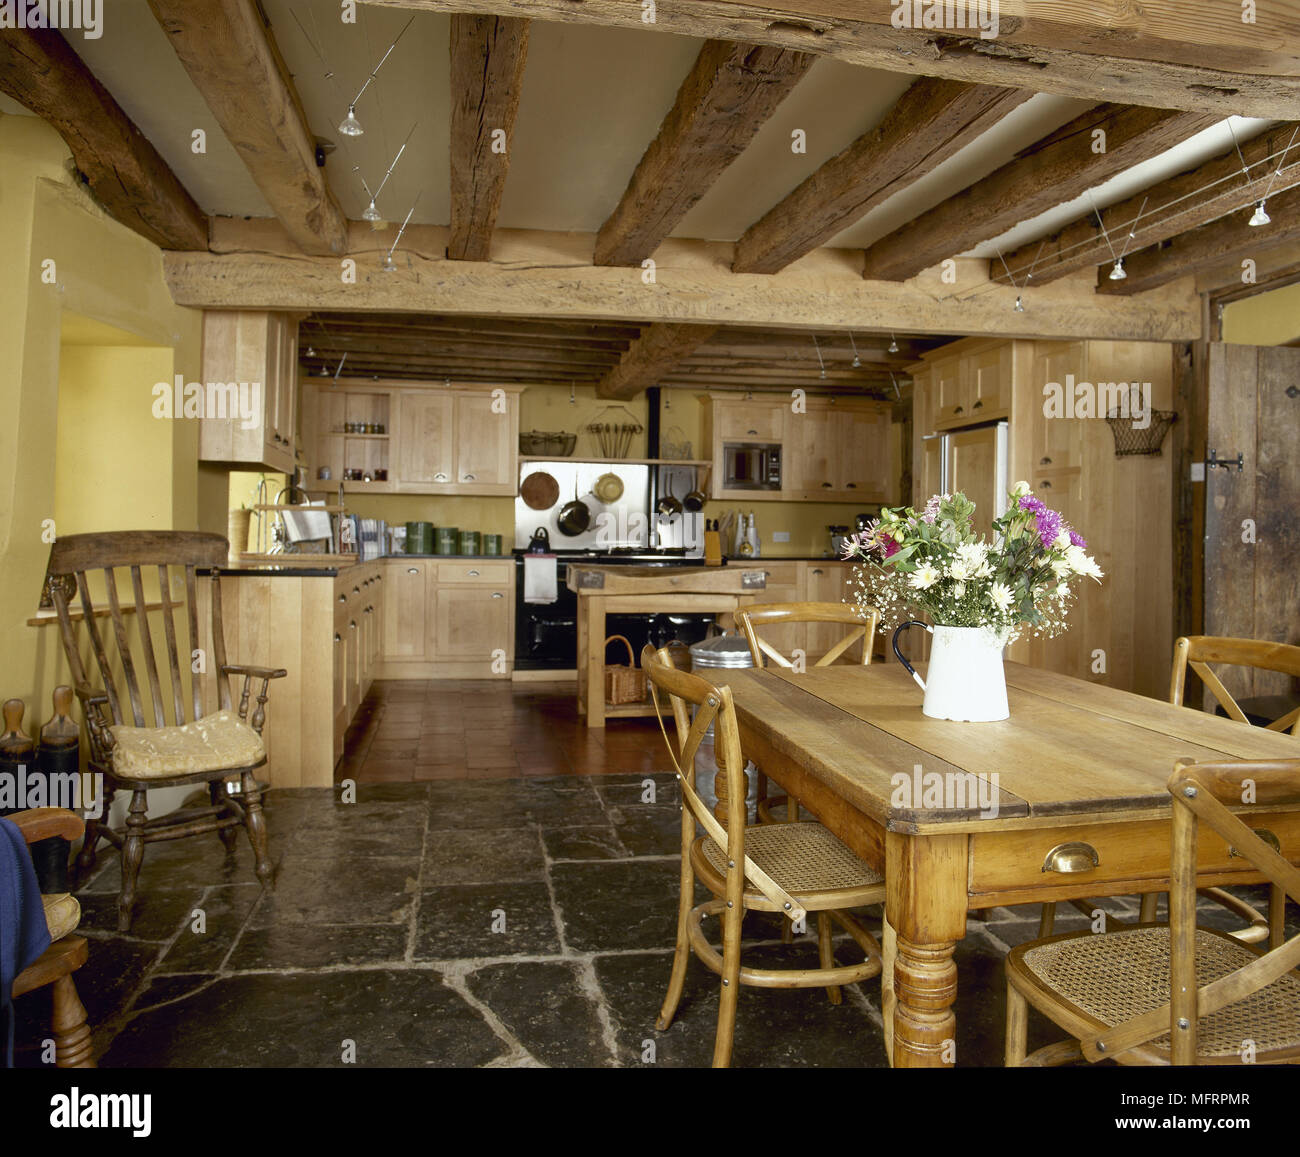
<point x="1131" y="439"/>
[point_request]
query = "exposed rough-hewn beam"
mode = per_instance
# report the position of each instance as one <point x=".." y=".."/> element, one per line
<point x="488" y="54"/>
<point x="1230" y="238"/>
<point x="549" y="275"/>
<point x="1204" y="55"/>
<point x="932" y="121"/>
<point x="654" y="354"/>
<point x="725" y="99"/>
<point x="228" y="52"/>
<point x="123" y="170"/>
<point x="1183" y="202"/>
<point x="1050" y="172"/>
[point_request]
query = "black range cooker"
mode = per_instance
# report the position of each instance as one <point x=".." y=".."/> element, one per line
<point x="546" y="634"/>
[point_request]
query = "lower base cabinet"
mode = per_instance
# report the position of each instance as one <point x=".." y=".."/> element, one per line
<point x="821" y="581"/>
<point x="448" y="619"/>
<point x="325" y="632"/>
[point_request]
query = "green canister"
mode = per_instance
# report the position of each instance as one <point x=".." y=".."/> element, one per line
<point x="419" y="538"/>
<point x="492" y="544"/>
<point x="471" y="542"/>
<point x="445" y="540"/>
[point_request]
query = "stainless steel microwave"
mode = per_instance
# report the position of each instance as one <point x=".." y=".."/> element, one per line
<point x="752" y="465"/>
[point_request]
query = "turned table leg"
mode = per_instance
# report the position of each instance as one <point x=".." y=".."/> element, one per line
<point x="927" y="908"/>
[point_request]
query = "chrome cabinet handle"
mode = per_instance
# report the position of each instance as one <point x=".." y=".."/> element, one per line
<point x="468" y="478"/>
<point x="960" y="410"/>
<point x="343" y="598"/>
<point x="352" y="626"/>
<point x="497" y="595"/>
<point x="1070" y="858"/>
<point x="979" y="405"/>
<point x="440" y="477"/>
<point x="850" y="486"/>
<point x="473" y="574"/>
<point x="412" y="570"/>
<point x="818" y="570"/>
<point x="337" y="637"/>
<point x="1046" y="484"/>
<point x="1044" y="461"/>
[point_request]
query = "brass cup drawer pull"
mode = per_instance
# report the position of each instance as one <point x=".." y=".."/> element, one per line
<point x="1072" y="857"/>
<point x="1264" y="834"/>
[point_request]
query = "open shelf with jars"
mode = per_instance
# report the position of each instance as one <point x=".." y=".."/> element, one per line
<point x="352" y="438"/>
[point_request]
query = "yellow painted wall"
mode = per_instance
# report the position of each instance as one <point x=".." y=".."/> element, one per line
<point x="109" y="446"/>
<point x="1267" y="319"/>
<point x="105" y="273"/>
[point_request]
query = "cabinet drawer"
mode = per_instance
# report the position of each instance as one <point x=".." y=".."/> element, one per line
<point x="1002" y="861"/>
<point x="496" y="573"/>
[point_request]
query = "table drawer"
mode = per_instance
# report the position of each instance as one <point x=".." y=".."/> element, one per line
<point x="497" y="573"/>
<point x="1003" y="861"/>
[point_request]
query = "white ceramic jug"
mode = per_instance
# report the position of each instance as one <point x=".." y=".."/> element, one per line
<point x="965" y="680"/>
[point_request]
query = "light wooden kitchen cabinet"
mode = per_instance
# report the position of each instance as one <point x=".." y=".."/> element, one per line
<point x="436" y="439"/>
<point x="448" y="619"/>
<point x="253" y="351"/>
<point x="323" y="631"/>
<point x="799" y="581"/>
<point x="835" y="449"/>
<point x="1121" y="505"/>
<point x="405" y="634"/>
<point x="426" y="445"/>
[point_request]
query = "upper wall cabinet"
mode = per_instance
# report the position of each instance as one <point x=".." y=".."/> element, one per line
<point x="409" y="438"/>
<point x="250" y="348"/>
<point x="835" y="449"/>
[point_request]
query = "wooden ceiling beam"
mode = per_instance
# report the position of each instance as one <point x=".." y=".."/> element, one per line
<point x="488" y="54"/>
<point x="695" y="285"/>
<point x="230" y="55"/>
<point x="728" y="95"/>
<point x="1054" y="170"/>
<point x="602" y="331"/>
<point x="435" y="353"/>
<point x="486" y="337"/>
<point x="1230" y="238"/>
<point x="1173" y="54"/>
<point x="123" y="171"/>
<point x="659" y="348"/>
<point x="931" y="121"/>
<point x="1186" y="201"/>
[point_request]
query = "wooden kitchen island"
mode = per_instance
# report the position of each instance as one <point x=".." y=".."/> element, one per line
<point x="644" y="590"/>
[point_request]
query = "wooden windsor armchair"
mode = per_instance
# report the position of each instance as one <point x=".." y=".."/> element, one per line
<point x="793" y="869"/>
<point x="1272" y="711"/>
<point x="66" y="953"/>
<point x="1230" y="1003"/>
<point x="861" y="626"/>
<point x="138" y="743"/>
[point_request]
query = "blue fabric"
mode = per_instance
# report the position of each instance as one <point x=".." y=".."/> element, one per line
<point x="23" y="931"/>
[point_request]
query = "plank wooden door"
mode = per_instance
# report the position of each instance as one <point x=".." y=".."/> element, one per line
<point x="1252" y="541"/>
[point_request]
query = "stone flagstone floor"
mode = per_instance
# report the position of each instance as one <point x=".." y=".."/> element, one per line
<point x="515" y="920"/>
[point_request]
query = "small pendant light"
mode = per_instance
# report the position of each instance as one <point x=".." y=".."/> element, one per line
<point x="1260" y="216"/>
<point x="349" y="126"/>
<point x="1117" y="270"/>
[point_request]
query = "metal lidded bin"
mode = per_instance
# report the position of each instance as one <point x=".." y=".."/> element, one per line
<point x="723" y="652"/>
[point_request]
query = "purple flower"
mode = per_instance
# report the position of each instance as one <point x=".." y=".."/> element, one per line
<point x="931" y="511"/>
<point x="1032" y="504"/>
<point x="1049" y="526"/>
<point x="889" y="545"/>
<point x="1076" y="539"/>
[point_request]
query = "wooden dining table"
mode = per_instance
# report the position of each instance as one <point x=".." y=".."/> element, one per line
<point x="967" y="816"/>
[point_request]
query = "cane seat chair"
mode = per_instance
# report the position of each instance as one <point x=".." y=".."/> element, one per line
<point x="66" y="953"/>
<point x="141" y="737"/>
<point x="794" y="869"/>
<point x="1230" y="1004"/>
<point x="859" y="626"/>
<point x="1276" y="712"/>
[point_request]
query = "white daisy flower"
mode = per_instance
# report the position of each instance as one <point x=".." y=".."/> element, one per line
<point x="1062" y="540"/>
<point x="1000" y="596"/>
<point x="959" y="590"/>
<point x="924" y="577"/>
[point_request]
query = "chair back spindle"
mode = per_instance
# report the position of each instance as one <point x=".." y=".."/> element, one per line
<point x="859" y="625"/>
<point x="1198" y="651"/>
<point x="130" y="662"/>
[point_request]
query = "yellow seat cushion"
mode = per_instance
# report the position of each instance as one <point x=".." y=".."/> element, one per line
<point x="213" y="743"/>
<point x="62" y="914"/>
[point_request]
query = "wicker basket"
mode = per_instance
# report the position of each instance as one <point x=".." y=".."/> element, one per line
<point x="623" y="684"/>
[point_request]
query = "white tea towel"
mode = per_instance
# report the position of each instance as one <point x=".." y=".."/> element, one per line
<point x="540" y="585"/>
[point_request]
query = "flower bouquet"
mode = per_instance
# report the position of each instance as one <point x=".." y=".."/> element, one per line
<point x="979" y="595"/>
